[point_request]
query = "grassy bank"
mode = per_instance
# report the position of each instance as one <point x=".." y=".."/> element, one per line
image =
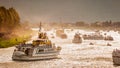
<point x="12" y="41"/>
<point x="4" y="43"/>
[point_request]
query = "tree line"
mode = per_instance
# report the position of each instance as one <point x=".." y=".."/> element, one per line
<point x="100" y="25"/>
<point x="9" y="19"/>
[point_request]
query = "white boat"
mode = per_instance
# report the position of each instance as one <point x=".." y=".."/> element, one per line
<point x="41" y="48"/>
<point x="36" y="51"/>
<point x="77" y="39"/>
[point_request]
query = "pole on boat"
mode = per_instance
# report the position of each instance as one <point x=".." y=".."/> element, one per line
<point x="40" y="27"/>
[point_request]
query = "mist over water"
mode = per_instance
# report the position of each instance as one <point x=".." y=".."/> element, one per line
<point x="71" y="55"/>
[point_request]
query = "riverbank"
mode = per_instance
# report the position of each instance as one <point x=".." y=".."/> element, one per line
<point x="25" y="36"/>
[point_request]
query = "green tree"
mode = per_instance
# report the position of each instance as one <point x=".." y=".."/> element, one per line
<point x="9" y="18"/>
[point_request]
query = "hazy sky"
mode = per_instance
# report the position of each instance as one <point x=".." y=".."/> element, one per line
<point x="65" y="10"/>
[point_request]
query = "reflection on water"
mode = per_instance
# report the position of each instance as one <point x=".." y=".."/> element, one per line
<point x="71" y="55"/>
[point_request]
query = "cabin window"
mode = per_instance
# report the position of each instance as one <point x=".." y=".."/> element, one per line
<point x="40" y="50"/>
<point x="27" y="51"/>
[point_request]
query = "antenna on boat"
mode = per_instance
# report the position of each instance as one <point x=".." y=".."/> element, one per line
<point x="40" y="27"/>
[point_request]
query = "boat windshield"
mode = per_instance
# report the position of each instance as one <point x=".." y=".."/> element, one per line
<point x="41" y="41"/>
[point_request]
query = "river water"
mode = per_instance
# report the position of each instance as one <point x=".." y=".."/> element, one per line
<point x="71" y="56"/>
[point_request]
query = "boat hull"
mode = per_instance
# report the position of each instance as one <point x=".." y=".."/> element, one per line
<point x="76" y="40"/>
<point x="39" y="57"/>
<point x="116" y="60"/>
